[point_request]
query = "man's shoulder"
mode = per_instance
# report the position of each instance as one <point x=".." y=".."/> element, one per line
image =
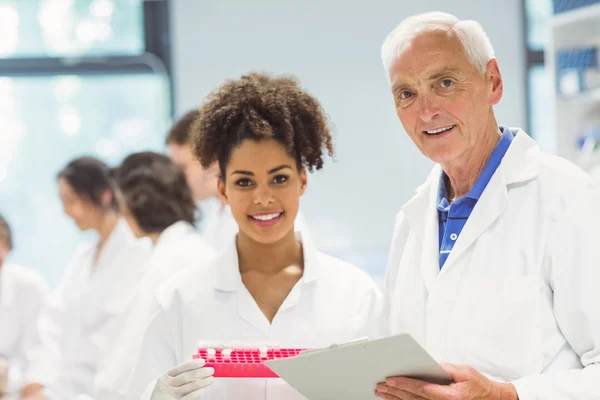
<point x="561" y="177"/>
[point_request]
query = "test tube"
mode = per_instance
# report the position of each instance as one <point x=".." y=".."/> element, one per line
<point x="264" y="350"/>
<point x="211" y="354"/>
<point x="226" y="354"/>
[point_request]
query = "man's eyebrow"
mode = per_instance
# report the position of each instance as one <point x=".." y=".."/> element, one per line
<point x="444" y="72"/>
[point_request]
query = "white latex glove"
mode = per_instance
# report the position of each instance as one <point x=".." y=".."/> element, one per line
<point x="184" y="381"/>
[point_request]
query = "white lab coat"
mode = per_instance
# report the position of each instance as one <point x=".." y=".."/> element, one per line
<point x="216" y="224"/>
<point x="86" y="312"/>
<point x="23" y="294"/>
<point x="333" y="302"/>
<point x="518" y="296"/>
<point x="178" y="247"/>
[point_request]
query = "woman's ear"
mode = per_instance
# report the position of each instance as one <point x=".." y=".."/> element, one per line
<point x="303" y="181"/>
<point x="106" y="199"/>
<point x="222" y="191"/>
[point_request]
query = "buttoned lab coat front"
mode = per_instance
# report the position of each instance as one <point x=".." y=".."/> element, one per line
<point x="333" y="302"/>
<point x="178" y="247"/>
<point x="23" y="294"/>
<point x="86" y="312"/>
<point x="517" y="298"/>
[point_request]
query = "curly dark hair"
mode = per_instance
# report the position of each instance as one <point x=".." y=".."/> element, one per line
<point x="155" y="191"/>
<point x="258" y="106"/>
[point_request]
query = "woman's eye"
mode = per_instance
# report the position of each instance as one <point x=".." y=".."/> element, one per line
<point x="405" y="95"/>
<point x="280" y="179"/>
<point x="446" y="83"/>
<point x="244" y="182"/>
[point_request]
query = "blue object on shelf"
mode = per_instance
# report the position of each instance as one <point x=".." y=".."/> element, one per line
<point x="590" y="134"/>
<point x="561" y="6"/>
<point x="581" y="58"/>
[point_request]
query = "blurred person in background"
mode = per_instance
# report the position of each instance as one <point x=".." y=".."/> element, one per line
<point x="87" y="310"/>
<point x="158" y="205"/>
<point x="23" y="294"/>
<point x="216" y="222"/>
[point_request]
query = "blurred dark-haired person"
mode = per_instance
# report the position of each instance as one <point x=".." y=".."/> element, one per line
<point x="270" y="284"/>
<point x="86" y="311"/>
<point x="23" y="294"/>
<point x="215" y="221"/>
<point x="158" y="204"/>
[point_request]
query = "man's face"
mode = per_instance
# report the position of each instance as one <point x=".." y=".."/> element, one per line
<point x="443" y="101"/>
<point x="202" y="182"/>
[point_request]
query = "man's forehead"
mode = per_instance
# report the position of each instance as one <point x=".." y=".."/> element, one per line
<point x="429" y="56"/>
<point x="409" y="76"/>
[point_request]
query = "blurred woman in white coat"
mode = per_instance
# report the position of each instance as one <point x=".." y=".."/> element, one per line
<point x="23" y="293"/>
<point x="216" y="223"/>
<point x="270" y="285"/>
<point x="87" y="310"/>
<point x="158" y="204"/>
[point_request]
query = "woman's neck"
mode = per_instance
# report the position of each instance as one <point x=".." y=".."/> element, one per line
<point x="106" y="226"/>
<point x="269" y="258"/>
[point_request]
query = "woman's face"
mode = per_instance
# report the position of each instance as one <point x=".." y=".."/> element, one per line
<point x="263" y="187"/>
<point x="83" y="212"/>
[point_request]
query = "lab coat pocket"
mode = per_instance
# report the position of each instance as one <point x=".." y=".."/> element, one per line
<point x="496" y="325"/>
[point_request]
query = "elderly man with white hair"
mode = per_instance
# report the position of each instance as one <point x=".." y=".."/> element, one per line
<point x="493" y="265"/>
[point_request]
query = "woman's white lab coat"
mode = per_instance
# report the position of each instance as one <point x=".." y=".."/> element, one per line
<point x="518" y="296"/>
<point x="333" y="302"/>
<point x="178" y="247"/>
<point x="23" y="293"/>
<point x="86" y="313"/>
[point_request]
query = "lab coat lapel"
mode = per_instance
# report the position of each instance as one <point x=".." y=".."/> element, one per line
<point x="520" y="163"/>
<point x="228" y="279"/>
<point x="114" y="244"/>
<point x="421" y="213"/>
<point x="488" y="208"/>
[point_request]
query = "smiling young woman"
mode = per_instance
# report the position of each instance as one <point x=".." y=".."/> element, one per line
<point x="270" y="285"/>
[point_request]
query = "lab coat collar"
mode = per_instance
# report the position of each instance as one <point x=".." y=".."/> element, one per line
<point x="227" y="276"/>
<point x="175" y="232"/>
<point x="119" y="236"/>
<point x="6" y="286"/>
<point x="521" y="163"/>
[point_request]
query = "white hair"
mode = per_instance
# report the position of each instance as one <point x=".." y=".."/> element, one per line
<point x="475" y="41"/>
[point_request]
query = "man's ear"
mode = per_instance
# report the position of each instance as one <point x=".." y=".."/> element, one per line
<point x="495" y="78"/>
